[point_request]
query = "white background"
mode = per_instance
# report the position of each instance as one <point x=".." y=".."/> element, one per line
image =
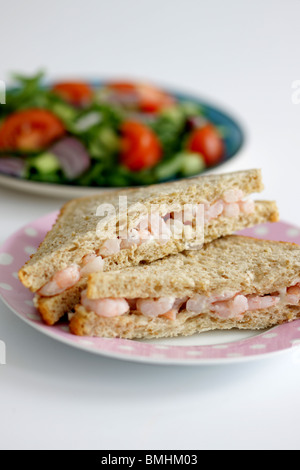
<point x="242" y="55"/>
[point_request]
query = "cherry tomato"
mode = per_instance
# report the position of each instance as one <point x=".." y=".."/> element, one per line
<point x="76" y="93"/>
<point x="141" y="148"/>
<point x="30" y="130"/>
<point x="146" y="97"/>
<point x="152" y="99"/>
<point x="122" y="87"/>
<point x="207" y="141"/>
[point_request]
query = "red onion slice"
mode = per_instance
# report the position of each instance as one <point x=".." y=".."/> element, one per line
<point x="73" y="156"/>
<point x="12" y="166"/>
<point x="196" y="122"/>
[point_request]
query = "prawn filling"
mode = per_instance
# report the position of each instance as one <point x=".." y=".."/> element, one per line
<point x="185" y="225"/>
<point x="226" y="306"/>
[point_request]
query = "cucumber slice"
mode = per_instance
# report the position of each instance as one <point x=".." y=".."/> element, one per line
<point x="182" y="164"/>
<point x="193" y="163"/>
<point x="44" y="164"/>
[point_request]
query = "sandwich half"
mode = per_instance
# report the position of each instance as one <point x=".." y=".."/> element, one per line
<point x="124" y="228"/>
<point x="233" y="282"/>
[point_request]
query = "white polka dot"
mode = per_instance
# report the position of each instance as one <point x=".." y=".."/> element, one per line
<point x="30" y="250"/>
<point x="5" y="286"/>
<point x="29" y="302"/>
<point x="293" y="232"/>
<point x="33" y="316"/>
<point x="6" y="259"/>
<point x="194" y="353"/>
<point x="162" y="347"/>
<point x="261" y="230"/>
<point x="270" y="335"/>
<point x="295" y="342"/>
<point x="220" y="346"/>
<point x="258" y="346"/>
<point x="15" y="275"/>
<point x="86" y="342"/>
<point x="126" y="347"/>
<point x="31" y="232"/>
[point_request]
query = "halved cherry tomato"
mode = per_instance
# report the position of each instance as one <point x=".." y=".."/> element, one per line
<point x="207" y="141"/>
<point x="141" y="148"/>
<point x="152" y="99"/>
<point x="76" y="93"/>
<point x="30" y="130"/>
<point x="146" y="97"/>
<point x="122" y="87"/>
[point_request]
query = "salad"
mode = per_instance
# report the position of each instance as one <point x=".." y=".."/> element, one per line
<point x="115" y="134"/>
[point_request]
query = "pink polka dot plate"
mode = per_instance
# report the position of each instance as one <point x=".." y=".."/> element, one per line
<point x="207" y="348"/>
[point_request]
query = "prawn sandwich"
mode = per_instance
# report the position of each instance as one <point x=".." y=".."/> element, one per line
<point x="233" y="282"/>
<point x="124" y="228"/>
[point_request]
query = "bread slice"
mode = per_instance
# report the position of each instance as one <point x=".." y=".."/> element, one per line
<point x="53" y="308"/>
<point x="234" y="264"/>
<point x="77" y="231"/>
<point x="135" y="326"/>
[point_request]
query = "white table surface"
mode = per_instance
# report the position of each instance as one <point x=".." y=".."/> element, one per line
<point x="242" y="55"/>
